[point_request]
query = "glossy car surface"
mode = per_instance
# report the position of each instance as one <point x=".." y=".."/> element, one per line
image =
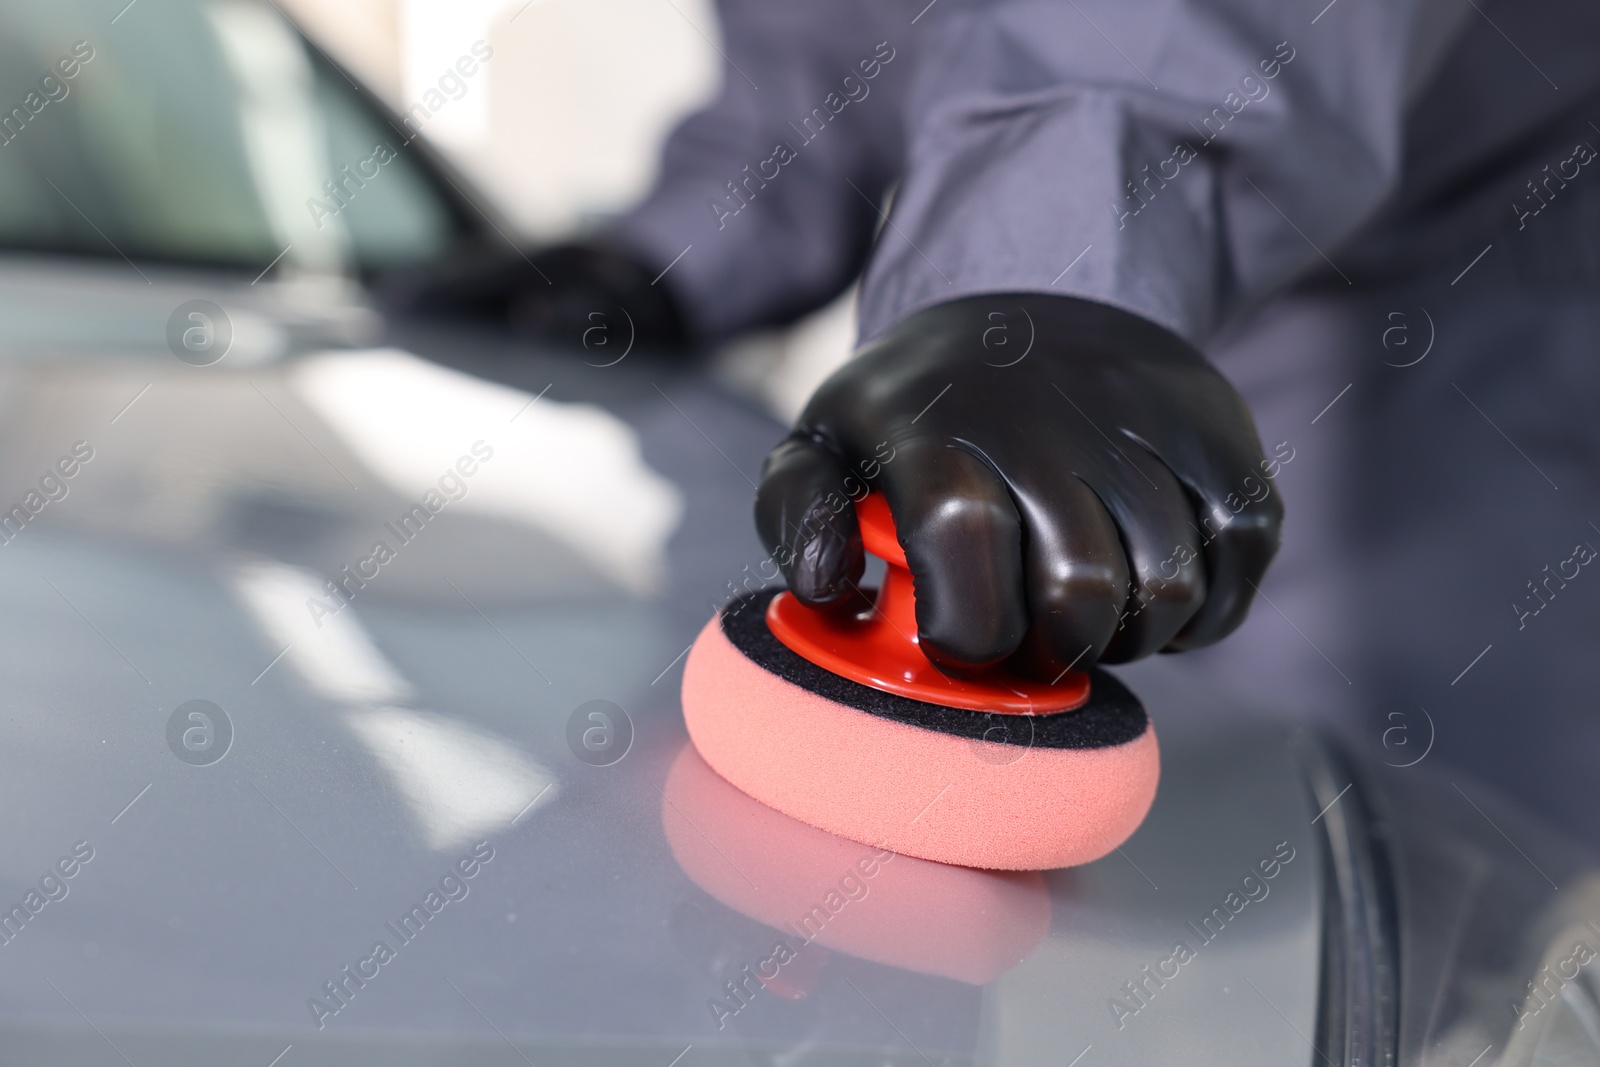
<point x="340" y="717"/>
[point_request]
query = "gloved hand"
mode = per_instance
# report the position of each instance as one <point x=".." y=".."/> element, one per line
<point x="552" y="296"/>
<point x="1070" y="482"/>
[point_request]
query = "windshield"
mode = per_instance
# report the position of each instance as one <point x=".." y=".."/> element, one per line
<point x="202" y="131"/>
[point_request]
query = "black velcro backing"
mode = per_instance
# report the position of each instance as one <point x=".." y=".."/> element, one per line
<point x="1113" y="715"/>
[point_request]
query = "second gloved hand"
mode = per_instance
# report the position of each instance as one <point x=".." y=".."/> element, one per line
<point x="1070" y="482"/>
<point x="558" y="296"/>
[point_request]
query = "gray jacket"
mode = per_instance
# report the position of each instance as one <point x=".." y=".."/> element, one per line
<point x="1180" y="159"/>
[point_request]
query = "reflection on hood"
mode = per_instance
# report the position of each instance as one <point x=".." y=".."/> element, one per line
<point x="572" y="470"/>
<point x="459" y="781"/>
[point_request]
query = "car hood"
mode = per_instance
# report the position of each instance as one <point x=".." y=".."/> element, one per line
<point x="344" y="682"/>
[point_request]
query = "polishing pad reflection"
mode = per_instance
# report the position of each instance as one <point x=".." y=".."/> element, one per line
<point x="815" y="887"/>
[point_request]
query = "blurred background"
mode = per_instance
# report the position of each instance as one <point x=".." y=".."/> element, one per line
<point x="563" y="126"/>
<point x="564" y="123"/>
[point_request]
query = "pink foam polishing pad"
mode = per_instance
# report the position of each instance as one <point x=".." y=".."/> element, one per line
<point x="994" y="790"/>
<point x="814" y="887"/>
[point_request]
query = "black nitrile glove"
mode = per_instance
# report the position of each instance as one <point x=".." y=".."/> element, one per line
<point x="557" y="296"/>
<point x="1070" y="482"/>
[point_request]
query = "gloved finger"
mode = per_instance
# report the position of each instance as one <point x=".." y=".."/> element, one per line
<point x="1166" y="571"/>
<point x="1238" y="531"/>
<point x="1077" y="575"/>
<point x="1216" y="454"/>
<point x="806" y="519"/>
<point x="963" y="542"/>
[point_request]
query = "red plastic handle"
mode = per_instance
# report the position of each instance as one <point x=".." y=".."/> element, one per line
<point x="877" y="529"/>
<point x="880" y="648"/>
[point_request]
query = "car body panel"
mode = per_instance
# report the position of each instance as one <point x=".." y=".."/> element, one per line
<point x="376" y="744"/>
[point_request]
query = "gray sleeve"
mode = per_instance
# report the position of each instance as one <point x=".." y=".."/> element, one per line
<point x="1170" y="157"/>
<point x="765" y="208"/>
